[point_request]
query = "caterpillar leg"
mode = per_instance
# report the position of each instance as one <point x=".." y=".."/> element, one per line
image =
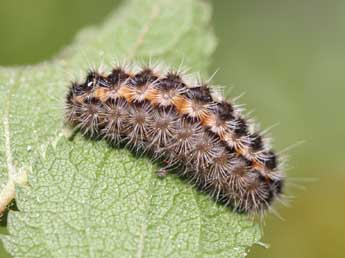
<point x="162" y="172"/>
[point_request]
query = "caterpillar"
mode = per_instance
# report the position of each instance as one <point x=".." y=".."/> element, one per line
<point x="185" y="123"/>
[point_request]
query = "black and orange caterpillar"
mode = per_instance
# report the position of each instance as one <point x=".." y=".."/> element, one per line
<point x="187" y="124"/>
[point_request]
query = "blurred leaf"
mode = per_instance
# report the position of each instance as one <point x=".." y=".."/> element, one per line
<point x="86" y="199"/>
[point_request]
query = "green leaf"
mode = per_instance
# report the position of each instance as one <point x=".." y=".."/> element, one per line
<point x="87" y="199"/>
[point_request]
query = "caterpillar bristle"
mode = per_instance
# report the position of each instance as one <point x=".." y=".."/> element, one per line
<point x="184" y="122"/>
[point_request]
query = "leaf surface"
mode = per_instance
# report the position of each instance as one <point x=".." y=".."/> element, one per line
<point x="87" y="199"/>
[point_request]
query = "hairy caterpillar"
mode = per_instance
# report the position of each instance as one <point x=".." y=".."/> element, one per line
<point x="185" y="123"/>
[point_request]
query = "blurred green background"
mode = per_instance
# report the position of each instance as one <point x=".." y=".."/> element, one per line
<point x="289" y="58"/>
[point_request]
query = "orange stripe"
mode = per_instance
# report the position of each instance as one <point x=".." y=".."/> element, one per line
<point x="101" y="93"/>
<point x="126" y="93"/>
<point x="182" y="105"/>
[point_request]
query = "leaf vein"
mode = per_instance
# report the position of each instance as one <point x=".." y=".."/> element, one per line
<point x="145" y="29"/>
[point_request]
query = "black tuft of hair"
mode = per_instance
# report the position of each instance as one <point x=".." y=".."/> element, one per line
<point x="241" y="127"/>
<point x="201" y="93"/>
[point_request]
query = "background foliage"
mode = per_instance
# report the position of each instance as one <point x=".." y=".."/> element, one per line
<point x="287" y="55"/>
